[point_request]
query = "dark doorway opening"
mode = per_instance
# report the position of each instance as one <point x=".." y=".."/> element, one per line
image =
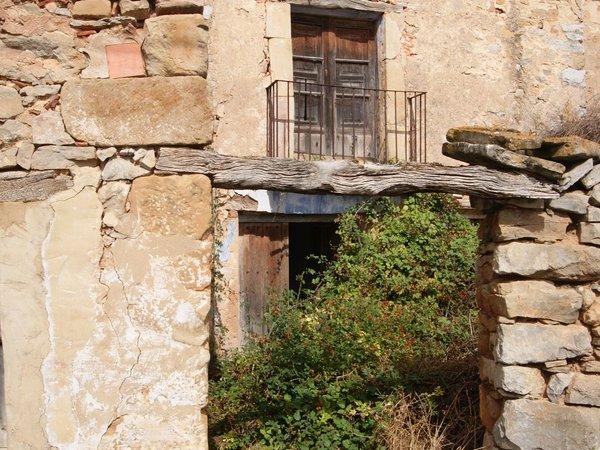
<point x="308" y="242"/>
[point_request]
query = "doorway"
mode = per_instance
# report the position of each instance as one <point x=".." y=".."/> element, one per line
<point x="273" y="256"/>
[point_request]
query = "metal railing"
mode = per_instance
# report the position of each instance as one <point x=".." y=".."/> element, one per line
<point x="307" y="120"/>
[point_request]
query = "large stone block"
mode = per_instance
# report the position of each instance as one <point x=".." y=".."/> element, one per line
<point x="513" y="379"/>
<point x="138" y="112"/>
<point x="510" y="139"/>
<point x="525" y="343"/>
<point x="179" y="6"/>
<point x="495" y="156"/>
<point x="516" y="223"/>
<point x="532" y="299"/>
<point x="561" y="261"/>
<point x="584" y="390"/>
<point x="572" y="202"/>
<point x="569" y="148"/>
<point x="91" y="9"/>
<point x="589" y="233"/>
<point x="541" y="425"/>
<point x="176" y="45"/>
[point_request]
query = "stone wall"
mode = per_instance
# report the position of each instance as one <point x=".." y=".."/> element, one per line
<point x="105" y="264"/>
<point x="105" y="267"/>
<point x="539" y="294"/>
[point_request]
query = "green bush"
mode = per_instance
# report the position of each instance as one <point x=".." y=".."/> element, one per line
<point x="392" y="314"/>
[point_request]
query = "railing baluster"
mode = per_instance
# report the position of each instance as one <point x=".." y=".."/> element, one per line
<point x="320" y="116"/>
<point x="303" y="108"/>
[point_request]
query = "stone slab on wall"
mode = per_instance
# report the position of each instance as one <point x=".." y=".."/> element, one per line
<point x="25" y="333"/>
<point x="139" y="111"/>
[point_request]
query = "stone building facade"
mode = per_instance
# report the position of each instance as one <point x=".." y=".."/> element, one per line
<point x="106" y="260"/>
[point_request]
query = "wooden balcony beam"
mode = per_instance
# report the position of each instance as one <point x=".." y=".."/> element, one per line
<point x="349" y="178"/>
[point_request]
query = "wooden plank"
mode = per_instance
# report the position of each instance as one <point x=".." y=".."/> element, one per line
<point x="264" y="269"/>
<point x="20" y="186"/>
<point x="349" y="178"/>
<point x="360" y="5"/>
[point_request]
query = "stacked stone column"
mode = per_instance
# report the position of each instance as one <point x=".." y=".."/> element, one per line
<point x="539" y="299"/>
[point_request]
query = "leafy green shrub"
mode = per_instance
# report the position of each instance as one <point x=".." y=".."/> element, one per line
<point x="392" y="314"/>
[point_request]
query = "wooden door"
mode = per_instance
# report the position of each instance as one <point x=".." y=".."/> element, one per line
<point x="264" y="270"/>
<point x="335" y="70"/>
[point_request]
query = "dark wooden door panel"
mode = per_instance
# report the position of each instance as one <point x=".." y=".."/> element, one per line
<point x="339" y="56"/>
<point x="264" y="269"/>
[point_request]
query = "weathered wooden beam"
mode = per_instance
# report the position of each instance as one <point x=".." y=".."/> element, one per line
<point x="20" y="186"/>
<point x="356" y="5"/>
<point x="349" y="178"/>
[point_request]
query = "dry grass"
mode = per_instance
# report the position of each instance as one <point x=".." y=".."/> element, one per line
<point x="414" y="423"/>
<point x="411" y="426"/>
<point x="573" y="124"/>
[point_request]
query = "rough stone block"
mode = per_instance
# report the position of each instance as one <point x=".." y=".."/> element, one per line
<point x="532" y="299"/>
<point x="560" y="261"/>
<point x="510" y="139"/>
<point x="489" y="408"/>
<point x="102" y="24"/>
<point x="10" y="103"/>
<point x="592" y="178"/>
<point x="593" y="214"/>
<point x="179" y="6"/>
<point x="60" y="157"/>
<point x="584" y="390"/>
<point x="515" y="223"/>
<point x="139" y="111"/>
<point x="526" y="343"/>
<point x="591" y="367"/>
<point x="589" y="233"/>
<point x="11" y="131"/>
<point x="91" y="9"/>
<point x="591" y="316"/>
<point x="513" y="379"/>
<point x="122" y="169"/>
<point x="595" y="195"/>
<point x="575" y="202"/>
<point x="8" y="157"/>
<point x="48" y="128"/>
<point x="176" y="45"/>
<point x="24" y="153"/>
<point x="557" y="385"/>
<point x="575" y="174"/>
<point x="495" y="156"/>
<point x="539" y="424"/>
<point x="140" y="9"/>
<point x="569" y="148"/>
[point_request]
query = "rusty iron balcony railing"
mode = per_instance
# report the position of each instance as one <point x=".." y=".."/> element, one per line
<point x="307" y="120"/>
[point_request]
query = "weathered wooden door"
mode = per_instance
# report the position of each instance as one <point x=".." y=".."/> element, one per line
<point x="335" y="74"/>
<point x="264" y="269"/>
